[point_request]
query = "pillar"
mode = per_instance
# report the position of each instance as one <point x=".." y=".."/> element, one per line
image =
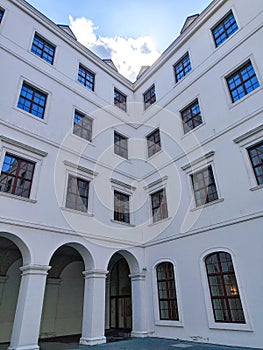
<point x="29" y="308"/>
<point x="93" y="323"/>
<point x="139" y="302"/>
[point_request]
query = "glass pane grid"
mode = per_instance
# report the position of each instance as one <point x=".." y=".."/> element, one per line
<point x="182" y="68"/>
<point x="32" y="101"/>
<point x="43" y="49"/>
<point x="86" y="78"/>
<point x="224" y="29"/>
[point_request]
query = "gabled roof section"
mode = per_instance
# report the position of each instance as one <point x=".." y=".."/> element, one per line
<point x="142" y="70"/>
<point x="67" y="29"/>
<point x="189" y="20"/>
<point x="110" y="63"/>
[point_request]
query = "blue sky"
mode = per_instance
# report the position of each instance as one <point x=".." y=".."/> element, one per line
<point x="120" y="29"/>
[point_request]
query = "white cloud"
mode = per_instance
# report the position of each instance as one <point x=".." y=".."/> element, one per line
<point x="128" y="54"/>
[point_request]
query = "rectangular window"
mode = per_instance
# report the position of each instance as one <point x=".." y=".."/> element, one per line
<point x="120" y="145"/>
<point x="43" y="49"/>
<point x="242" y="81"/>
<point x="256" y="157"/>
<point x="82" y="126"/>
<point x="159" y="205"/>
<point x="1" y="14"/>
<point x="191" y="116"/>
<point x="149" y="97"/>
<point x="182" y="67"/>
<point x="32" y="100"/>
<point x="86" y="78"/>
<point x="16" y="176"/>
<point x="204" y="186"/>
<point x="121" y="207"/>
<point x="224" y="29"/>
<point x="153" y="142"/>
<point x="77" y="194"/>
<point x="120" y="100"/>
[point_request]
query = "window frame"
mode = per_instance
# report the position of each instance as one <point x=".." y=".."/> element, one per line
<point x="157" y="147"/>
<point x="161" y="205"/>
<point x="2" y="11"/>
<point x="251" y="161"/>
<point x="35" y="89"/>
<point x="121" y="213"/>
<point x="81" y="127"/>
<point x="118" y="148"/>
<point x="45" y="43"/>
<point x="120" y="104"/>
<point x="89" y="84"/>
<point x="76" y="194"/>
<point x="189" y="107"/>
<point x="148" y="101"/>
<point x="238" y="70"/>
<point x="221" y="22"/>
<point x="180" y="62"/>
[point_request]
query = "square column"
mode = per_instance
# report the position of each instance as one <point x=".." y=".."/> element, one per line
<point x="139" y="320"/>
<point x="29" y="308"/>
<point x="93" y="323"/>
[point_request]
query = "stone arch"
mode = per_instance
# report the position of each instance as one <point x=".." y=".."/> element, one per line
<point x="21" y="245"/>
<point x="131" y="260"/>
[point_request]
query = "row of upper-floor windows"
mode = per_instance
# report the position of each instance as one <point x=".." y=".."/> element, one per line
<point x="224" y="292"/>
<point x="241" y="82"/>
<point x="17" y="177"/>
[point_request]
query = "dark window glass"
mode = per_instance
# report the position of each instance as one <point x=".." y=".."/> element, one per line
<point x="256" y="156"/>
<point x="149" y="97"/>
<point x="32" y="100"/>
<point x="166" y="291"/>
<point x="77" y="194"/>
<point x="86" y="78"/>
<point x="154" y="142"/>
<point x="1" y="14"/>
<point x="224" y="29"/>
<point x="120" y="145"/>
<point x="159" y="205"/>
<point x="242" y="82"/>
<point x="16" y="176"/>
<point x="223" y="287"/>
<point x="182" y="67"/>
<point x="82" y="126"/>
<point x="119" y="100"/>
<point x="121" y="207"/>
<point x="204" y="186"/>
<point x="191" y="116"/>
<point x="43" y="49"/>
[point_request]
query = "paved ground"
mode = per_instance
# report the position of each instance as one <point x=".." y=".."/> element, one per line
<point x="138" y="344"/>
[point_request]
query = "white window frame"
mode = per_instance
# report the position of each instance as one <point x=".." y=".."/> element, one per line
<point x="209" y="309"/>
<point x="26" y="152"/>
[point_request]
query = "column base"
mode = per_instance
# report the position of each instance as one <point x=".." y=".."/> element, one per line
<point x="135" y="334"/>
<point x="92" y="341"/>
<point x="24" y="347"/>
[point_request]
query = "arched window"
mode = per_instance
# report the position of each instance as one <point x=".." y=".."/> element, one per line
<point x="223" y="287"/>
<point x="166" y="292"/>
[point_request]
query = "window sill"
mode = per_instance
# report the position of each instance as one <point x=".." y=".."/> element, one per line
<point x="242" y="99"/>
<point x="84" y="140"/>
<point x="159" y="221"/>
<point x="121" y="157"/>
<point x="14" y="196"/>
<point x="208" y="204"/>
<point x="190" y="132"/>
<point x="122" y="223"/>
<point x="167" y="323"/>
<point x="154" y="155"/>
<point x="255" y="188"/>
<point x="231" y="327"/>
<point x="74" y="211"/>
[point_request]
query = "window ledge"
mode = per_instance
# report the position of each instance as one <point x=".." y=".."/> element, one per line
<point x="154" y="155"/>
<point x="159" y="221"/>
<point x="208" y="204"/>
<point x="122" y="223"/>
<point x="74" y="211"/>
<point x="255" y="188"/>
<point x="232" y="327"/>
<point x="14" y="196"/>
<point x="42" y="120"/>
<point x="168" y="323"/>
<point x="234" y="104"/>
<point x="190" y="132"/>
<point x="84" y="140"/>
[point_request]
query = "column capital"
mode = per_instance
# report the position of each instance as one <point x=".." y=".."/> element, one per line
<point x="140" y="276"/>
<point x="35" y="269"/>
<point x="96" y="273"/>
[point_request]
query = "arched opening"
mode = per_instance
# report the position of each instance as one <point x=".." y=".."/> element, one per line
<point x="10" y="276"/>
<point x="118" y="299"/>
<point x="63" y="301"/>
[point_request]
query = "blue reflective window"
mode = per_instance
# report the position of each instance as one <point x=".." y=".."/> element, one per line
<point x="242" y="82"/>
<point x="82" y="126"/>
<point x="43" y="49"/>
<point x="1" y="14"/>
<point x="191" y="116"/>
<point x="182" y="67"/>
<point x="224" y="29"/>
<point x="86" y="78"/>
<point x="32" y="101"/>
<point x="149" y="97"/>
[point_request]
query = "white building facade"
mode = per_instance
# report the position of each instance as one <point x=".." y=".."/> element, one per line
<point x="132" y="206"/>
